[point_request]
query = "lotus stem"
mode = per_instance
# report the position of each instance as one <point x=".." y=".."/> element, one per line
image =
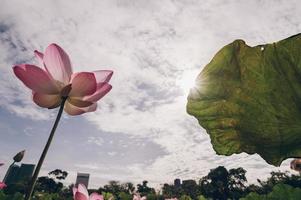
<point x="40" y="163"/>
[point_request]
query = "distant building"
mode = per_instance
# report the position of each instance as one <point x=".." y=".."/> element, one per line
<point x="177" y="182"/>
<point x="82" y="178"/>
<point x="16" y="173"/>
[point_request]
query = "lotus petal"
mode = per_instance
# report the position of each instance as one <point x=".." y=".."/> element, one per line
<point x="83" y="84"/>
<point x="36" y="79"/>
<point x="46" y="100"/>
<point x="57" y="63"/>
<point x="102" y="90"/>
<point x="103" y="75"/>
<point x="73" y="110"/>
<point x="95" y="196"/>
<point x="80" y="196"/>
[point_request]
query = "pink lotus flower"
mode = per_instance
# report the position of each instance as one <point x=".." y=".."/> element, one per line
<point x="137" y="197"/>
<point x="57" y="81"/>
<point x="2" y="185"/>
<point x="81" y="193"/>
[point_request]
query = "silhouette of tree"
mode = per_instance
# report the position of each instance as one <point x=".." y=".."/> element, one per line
<point x="237" y="183"/>
<point x="129" y="187"/>
<point x="144" y="190"/>
<point x="191" y="188"/>
<point x="58" y="174"/>
<point x="48" y="185"/>
<point x="215" y="184"/>
<point x="222" y="184"/>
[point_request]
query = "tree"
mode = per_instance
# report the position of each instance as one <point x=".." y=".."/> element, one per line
<point x="279" y="192"/>
<point x="130" y="187"/>
<point x="125" y="196"/>
<point x="115" y="188"/>
<point x="172" y="191"/>
<point x="237" y="183"/>
<point x="215" y="184"/>
<point x="144" y="190"/>
<point x="49" y="185"/>
<point x="58" y="174"/>
<point x="185" y="197"/>
<point x="190" y="188"/>
<point x="222" y="184"/>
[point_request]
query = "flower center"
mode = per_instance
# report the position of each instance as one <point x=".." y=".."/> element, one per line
<point x="65" y="91"/>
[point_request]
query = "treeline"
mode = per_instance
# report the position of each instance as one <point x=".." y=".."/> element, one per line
<point x="219" y="184"/>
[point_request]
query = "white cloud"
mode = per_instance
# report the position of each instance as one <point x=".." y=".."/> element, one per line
<point x="149" y="45"/>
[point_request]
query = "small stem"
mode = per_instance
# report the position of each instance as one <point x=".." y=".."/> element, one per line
<point x="37" y="170"/>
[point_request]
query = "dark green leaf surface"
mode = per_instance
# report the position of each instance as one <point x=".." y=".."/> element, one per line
<point x="249" y="99"/>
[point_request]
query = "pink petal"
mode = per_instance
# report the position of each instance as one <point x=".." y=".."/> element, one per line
<point x="57" y="63"/>
<point x="83" y="84"/>
<point x="79" y="103"/>
<point x="36" y="79"/>
<point x="46" y="100"/>
<point x="73" y="110"/>
<point x="80" y="196"/>
<point x="2" y="185"/>
<point x="74" y="190"/>
<point x="81" y="188"/>
<point x="95" y="196"/>
<point x="103" y="75"/>
<point x="40" y="57"/>
<point x="102" y="90"/>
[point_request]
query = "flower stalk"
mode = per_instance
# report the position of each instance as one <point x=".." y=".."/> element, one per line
<point x="43" y="155"/>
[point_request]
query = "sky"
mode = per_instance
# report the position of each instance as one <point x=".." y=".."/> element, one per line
<point x="141" y="130"/>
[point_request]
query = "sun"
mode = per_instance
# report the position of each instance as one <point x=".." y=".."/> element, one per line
<point x="186" y="80"/>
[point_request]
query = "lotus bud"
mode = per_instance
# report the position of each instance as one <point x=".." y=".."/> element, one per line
<point x="19" y="156"/>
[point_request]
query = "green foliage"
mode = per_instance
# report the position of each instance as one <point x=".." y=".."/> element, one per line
<point x="219" y="184"/>
<point x="144" y="190"/>
<point x="46" y="184"/>
<point x="116" y="188"/>
<point x="46" y="196"/>
<point x="223" y="184"/>
<point x="152" y="196"/>
<point x="125" y="196"/>
<point x="279" y="192"/>
<point x="2" y="195"/>
<point x="185" y="197"/>
<point x="254" y="196"/>
<point x="16" y="196"/>
<point x="190" y="188"/>
<point x="201" y="197"/>
<point x="171" y="191"/>
<point x="248" y="99"/>
<point x="107" y="196"/>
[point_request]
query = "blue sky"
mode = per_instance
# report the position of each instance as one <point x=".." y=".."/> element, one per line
<point x="156" y="49"/>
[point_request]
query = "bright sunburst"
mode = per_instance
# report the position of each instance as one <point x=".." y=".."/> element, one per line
<point x="186" y="80"/>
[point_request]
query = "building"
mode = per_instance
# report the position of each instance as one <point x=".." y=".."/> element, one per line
<point x="82" y="178"/>
<point x="16" y="173"/>
<point x="177" y="182"/>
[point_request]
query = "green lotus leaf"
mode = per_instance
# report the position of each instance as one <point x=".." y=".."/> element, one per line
<point x="249" y="99"/>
